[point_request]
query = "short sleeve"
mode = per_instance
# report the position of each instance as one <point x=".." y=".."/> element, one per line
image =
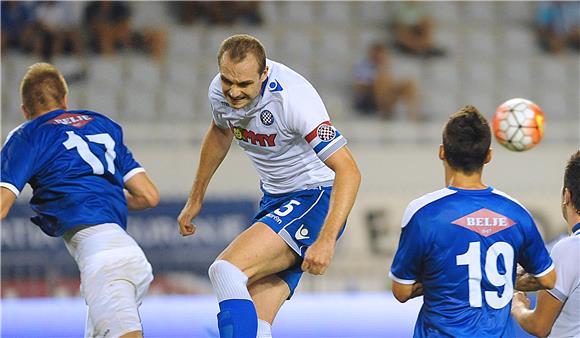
<point x="128" y="166"/>
<point x="19" y="158"/>
<point x="567" y="268"/>
<point x="307" y="116"/>
<point x="534" y="257"/>
<point x="406" y="267"/>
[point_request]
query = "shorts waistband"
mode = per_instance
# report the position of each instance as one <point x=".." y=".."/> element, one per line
<point x="327" y="185"/>
<point x="87" y="241"/>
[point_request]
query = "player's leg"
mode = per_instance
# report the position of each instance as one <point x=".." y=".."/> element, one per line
<point x="254" y="254"/>
<point x="268" y="294"/>
<point x="113" y="280"/>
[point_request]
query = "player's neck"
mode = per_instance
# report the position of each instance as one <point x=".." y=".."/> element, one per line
<point x="460" y="180"/>
<point x="573" y="218"/>
<point x="47" y="110"/>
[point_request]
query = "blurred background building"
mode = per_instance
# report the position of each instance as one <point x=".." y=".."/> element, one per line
<point x="148" y="65"/>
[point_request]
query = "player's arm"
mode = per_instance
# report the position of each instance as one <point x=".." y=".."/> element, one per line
<point x="346" y="183"/>
<point x="141" y="192"/>
<point x="528" y="282"/>
<point x="7" y="198"/>
<point x="214" y="149"/>
<point x="404" y="292"/>
<point x="539" y="321"/>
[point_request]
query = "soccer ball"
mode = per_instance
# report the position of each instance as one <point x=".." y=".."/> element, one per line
<point x="518" y="124"/>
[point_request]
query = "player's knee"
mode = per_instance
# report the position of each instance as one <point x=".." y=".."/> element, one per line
<point x="221" y="270"/>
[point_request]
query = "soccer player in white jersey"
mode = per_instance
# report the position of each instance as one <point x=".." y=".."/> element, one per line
<point x="84" y="178"/>
<point x="557" y="311"/>
<point x="308" y="176"/>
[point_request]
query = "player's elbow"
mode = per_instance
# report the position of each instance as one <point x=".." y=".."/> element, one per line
<point x="401" y="297"/>
<point x="152" y="198"/>
<point x="402" y="292"/>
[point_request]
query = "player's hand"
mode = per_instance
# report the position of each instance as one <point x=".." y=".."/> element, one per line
<point x="318" y="256"/>
<point x="185" y="218"/>
<point x="520" y="300"/>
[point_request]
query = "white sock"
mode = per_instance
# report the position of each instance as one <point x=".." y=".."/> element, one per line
<point x="264" y="329"/>
<point x="228" y="281"/>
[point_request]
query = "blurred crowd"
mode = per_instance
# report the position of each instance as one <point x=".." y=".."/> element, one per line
<point x="411" y="33"/>
<point x="51" y="28"/>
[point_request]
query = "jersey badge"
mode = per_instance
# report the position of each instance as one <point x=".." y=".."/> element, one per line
<point x="326" y="132"/>
<point x="74" y="120"/>
<point x="267" y="117"/>
<point x="485" y="222"/>
<point x="275" y="86"/>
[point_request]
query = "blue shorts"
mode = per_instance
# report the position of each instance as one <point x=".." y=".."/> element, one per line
<point x="298" y="218"/>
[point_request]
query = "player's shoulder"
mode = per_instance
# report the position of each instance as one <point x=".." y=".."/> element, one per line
<point x="422" y="202"/>
<point x="514" y="204"/>
<point x="284" y="82"/>
<point x="567" y="246"/>
<point x="19" y="131"/>
<point x="215" y="95"/>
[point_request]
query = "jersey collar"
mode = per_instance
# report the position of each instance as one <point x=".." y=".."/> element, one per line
<point x="576" y="229"/>
<point x="472" y="191"/>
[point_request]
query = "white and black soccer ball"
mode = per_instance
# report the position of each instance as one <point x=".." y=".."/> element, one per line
<point x="518" y="124"/>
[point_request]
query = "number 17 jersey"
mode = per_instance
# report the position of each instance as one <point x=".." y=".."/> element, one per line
<point x="76" y="163"/>
<point x="464" y="246"/>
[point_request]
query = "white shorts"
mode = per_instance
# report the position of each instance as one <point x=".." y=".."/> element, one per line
<point x="115" y="275"/>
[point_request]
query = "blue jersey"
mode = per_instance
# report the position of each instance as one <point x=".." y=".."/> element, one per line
<point x="76" y="163"/>
<point x="463" y="245"/>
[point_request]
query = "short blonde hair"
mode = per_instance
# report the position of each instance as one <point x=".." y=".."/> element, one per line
<point x="42" y="87"/>
<point x="238" y="46"/>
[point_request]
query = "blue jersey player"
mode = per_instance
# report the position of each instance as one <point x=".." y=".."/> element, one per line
<point x="78" y="167"/>
<point x="307" y="174"/>
<point x="460" y="245"/>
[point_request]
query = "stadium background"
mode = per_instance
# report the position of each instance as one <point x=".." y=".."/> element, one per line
<point x="491" y="56"/>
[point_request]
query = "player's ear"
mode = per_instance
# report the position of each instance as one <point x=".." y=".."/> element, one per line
<point x="488" y="156"/>
<point x="566" y="196"/>
<point x="441" y="152"/>
<point x="264" y="74"/>
<point x="65" y="101"/>
<point x="26" y="113"/>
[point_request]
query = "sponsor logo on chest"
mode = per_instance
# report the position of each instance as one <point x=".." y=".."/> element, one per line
<point x="249" y="136"/>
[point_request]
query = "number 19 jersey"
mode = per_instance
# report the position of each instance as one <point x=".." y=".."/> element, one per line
<point x="76" y="163"/>
<point x="463" y="245"/>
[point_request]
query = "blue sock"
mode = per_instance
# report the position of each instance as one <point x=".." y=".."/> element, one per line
<point x="237" y="319"/>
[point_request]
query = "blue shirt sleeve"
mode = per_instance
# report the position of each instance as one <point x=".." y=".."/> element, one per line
<point x="18" y="159"/>
<point x="127" y="165"/>
<point x="534" y="257"/>
<point x="406" y="267"/>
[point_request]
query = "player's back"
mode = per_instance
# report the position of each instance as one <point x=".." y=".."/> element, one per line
<point x="465" y="247"/>
<point x="76" y="164"/>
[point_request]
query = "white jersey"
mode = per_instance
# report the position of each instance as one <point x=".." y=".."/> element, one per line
<point x="286" y="131"/>
<point x="566" y="255"/>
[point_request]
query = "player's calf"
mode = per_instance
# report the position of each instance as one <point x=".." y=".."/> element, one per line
<point x="237" y="317"/>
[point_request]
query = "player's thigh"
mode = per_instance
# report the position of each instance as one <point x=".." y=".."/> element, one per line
<point x="268" y="294"/>
<point x="134" y="334"/>
<point x="112" y="286"/>
<point x="259" y="252"/>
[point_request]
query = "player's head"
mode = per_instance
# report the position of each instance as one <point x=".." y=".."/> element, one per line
<point x="466" y="141"/>
<point x="42" y="89"/>
<point x="242" y="64"/>
<point x="571" y="189"/>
